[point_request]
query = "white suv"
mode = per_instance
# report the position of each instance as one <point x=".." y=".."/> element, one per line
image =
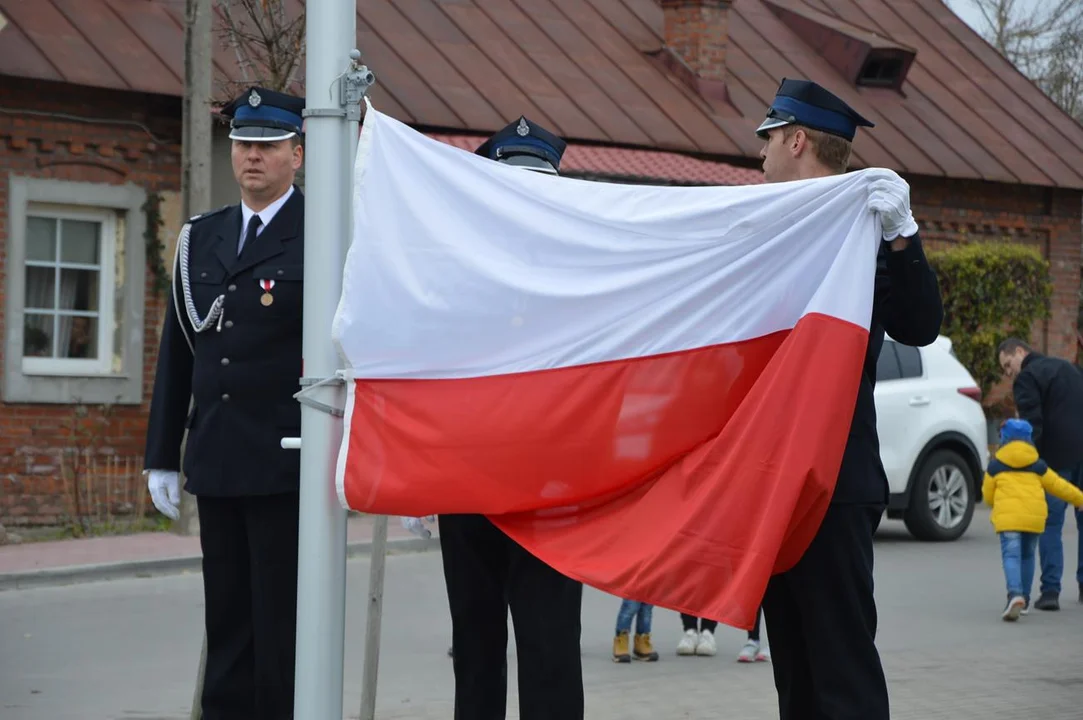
<point x="933" y="438"/>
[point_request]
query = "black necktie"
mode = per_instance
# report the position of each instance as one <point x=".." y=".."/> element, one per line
<point x="250" y="234"/>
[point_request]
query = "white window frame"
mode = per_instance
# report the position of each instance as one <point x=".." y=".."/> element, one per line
<point x="121" y="382"/>
<point x="106" y="268"/>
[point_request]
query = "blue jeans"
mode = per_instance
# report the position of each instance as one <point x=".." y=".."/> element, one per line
<point x="642" y="613"/>
<point x="1017" y="553"/>
<point x="1051" y="547"/>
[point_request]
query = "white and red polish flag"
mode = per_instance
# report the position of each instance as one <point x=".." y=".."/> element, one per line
<point x="649" y="388"/>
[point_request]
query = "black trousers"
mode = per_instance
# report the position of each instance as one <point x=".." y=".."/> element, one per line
<point x="486" y="573"/>
<point x="250" y="589"/>
<point x="691" y="622"/>
<point x="821" y="621"/>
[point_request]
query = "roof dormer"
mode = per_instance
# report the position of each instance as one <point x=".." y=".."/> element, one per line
<point x="862" y="56"/>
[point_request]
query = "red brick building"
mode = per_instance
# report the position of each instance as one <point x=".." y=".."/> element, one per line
<point x="662" y="91"/>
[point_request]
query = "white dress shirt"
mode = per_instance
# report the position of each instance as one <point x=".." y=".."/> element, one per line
<point x="265" y="215"/>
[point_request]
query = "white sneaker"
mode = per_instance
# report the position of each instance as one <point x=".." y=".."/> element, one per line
<point x="749" y="652"/>
<point x="706" y="645"/>
<point x="688" y="643"/>
<point x="1014" y="608"/>
<point x="764" y="655"/>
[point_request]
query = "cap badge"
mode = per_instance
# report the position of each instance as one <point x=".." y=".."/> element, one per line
<point x="522" y="129"/>
<point x="254" y="99"/>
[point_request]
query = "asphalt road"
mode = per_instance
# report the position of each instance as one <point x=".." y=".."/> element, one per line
<point x="129" y="648"/>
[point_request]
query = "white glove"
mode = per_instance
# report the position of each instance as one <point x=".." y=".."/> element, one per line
<point x="165" y="492"/>
<point x="889" y="196"/>
<point x="417" y="525"/>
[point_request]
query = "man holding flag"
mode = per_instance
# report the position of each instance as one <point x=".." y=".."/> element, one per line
<point x="821" y="614"/>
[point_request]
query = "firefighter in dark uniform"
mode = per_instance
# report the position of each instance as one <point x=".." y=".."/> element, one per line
<point x="487" y="572"/>
<point x="231" y="345"/>
<point x="821" y="615"/>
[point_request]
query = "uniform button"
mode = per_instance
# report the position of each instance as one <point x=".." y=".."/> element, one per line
<point x="225" y="397"/>
<point x="203" y="275"/>
<point x="225" y="361"/>
<point x="232" y="288"/>
<point x="229" y="323"/>
<point x="281" y="272"/>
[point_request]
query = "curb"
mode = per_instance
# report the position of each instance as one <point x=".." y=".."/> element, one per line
<point x="158" y="567"/>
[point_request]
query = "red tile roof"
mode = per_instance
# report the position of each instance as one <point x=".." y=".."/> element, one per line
<point x="592" y="71"/>
<point x="629" y="162"/>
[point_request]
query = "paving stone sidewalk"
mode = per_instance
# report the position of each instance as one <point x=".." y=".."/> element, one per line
<point x="62" y="562"/>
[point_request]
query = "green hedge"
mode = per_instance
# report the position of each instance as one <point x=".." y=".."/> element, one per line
<point x="991" y="291"/>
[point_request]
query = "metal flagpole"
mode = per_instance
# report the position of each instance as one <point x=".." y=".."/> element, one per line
<point x="374" y="618"/>
<point x="358" y="81"/>
<point x="330" y="35"/>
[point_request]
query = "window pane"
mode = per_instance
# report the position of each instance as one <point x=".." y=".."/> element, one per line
<point x="910" y="360"/>
<point x="37" y="335"/>
<point x="40" y="288"/>
<point x="77" y="337"/>
<point x="79" y="241"/>
<point x="40" y="239"/>
<point x="887" y="367"/>
<point x="79" y="290"/>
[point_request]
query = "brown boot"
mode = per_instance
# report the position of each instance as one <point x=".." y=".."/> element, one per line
<point x="643" y="648"/>
<point x="620" y="648"/>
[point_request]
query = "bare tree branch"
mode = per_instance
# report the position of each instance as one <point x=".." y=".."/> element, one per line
<point x="233" y="40"/>
<point x="268" y="42"/>
<point x="1044" y="40"/>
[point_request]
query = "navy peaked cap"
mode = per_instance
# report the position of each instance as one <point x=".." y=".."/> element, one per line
<point x="803" y="102"/>
<point x="262" y="115"/>
<point x="525" y="144"/>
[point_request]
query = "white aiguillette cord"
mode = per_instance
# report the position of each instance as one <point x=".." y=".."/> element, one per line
<point x="180" y="265"/>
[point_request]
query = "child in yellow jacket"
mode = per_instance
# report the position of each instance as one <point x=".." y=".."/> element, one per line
<point x="1015" y="486"/>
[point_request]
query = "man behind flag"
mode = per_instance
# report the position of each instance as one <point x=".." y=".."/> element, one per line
<point x="821" y="614"/>
<point x="487" y="572"/>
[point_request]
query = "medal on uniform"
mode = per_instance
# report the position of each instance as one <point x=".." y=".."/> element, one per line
<point x="266" y="298"/>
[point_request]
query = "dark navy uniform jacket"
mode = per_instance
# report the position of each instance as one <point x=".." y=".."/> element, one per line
<point x="243" y="376"/>
<point x="907" y="305"/>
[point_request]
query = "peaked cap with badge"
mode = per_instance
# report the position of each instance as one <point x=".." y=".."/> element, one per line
<point x="262" y="115"/>
<point x="525" y="144"/>
<point x="803" y="102"/>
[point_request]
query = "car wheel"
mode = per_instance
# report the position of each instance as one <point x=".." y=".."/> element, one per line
<point x="941" y="499"/>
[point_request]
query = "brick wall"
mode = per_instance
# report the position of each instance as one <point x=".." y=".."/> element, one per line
<point x="41" y="144"/>
<point x="959" y="211"/>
